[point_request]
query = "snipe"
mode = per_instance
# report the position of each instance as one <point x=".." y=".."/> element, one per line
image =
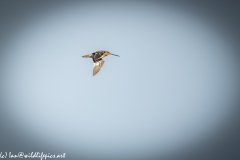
<point x="98" y="59"/>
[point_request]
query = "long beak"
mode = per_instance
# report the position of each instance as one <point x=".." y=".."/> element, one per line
<point x="114" y="55"/>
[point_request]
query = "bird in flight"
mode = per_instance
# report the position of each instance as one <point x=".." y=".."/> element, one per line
<point x="98" y="59"/>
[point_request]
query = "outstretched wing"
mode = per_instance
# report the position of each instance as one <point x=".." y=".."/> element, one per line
<point x="97" y="66"/>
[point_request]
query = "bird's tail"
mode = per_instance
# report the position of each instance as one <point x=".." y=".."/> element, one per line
<point x="87" y="56"/>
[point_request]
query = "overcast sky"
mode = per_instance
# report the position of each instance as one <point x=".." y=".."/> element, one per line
<point x="173" y="86"/>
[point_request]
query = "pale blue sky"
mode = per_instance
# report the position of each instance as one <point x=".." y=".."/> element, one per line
<point x="170" y="88"/>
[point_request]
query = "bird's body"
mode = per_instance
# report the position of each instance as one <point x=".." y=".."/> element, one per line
<point x="98" y="59"/>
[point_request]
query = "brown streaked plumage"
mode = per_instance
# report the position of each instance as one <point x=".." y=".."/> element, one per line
<point x="98" y="59"/>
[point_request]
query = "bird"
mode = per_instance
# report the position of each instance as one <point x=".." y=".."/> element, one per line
<point x="98" y="59"/>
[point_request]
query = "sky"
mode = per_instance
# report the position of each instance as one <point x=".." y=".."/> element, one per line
<point x="173" y="88"/>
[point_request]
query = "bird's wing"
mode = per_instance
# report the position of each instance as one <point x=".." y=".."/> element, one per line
<point x="97" y="66"/>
